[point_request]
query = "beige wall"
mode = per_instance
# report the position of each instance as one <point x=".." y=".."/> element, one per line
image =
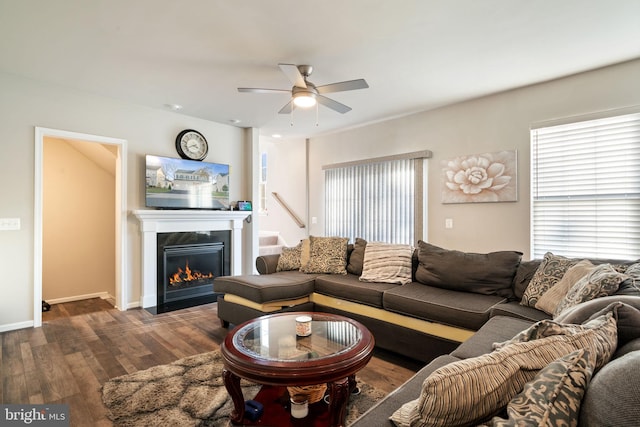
<point x="26" y="104"/>
<point x="78" y="216"/>
<point x="492" y="123"/>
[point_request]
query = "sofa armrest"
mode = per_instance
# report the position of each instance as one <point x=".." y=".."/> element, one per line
<point x="266" y="264"/>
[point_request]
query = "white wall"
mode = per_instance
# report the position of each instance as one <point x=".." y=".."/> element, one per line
<point x="286" y="172"/>
<point x="25" y="104"/>
<point x="492" y="123"/>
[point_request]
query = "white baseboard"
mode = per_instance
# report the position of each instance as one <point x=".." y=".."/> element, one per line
<point x="134" y="304"/>
<point x="15" y="326"/>
<point x="102" y="295"/>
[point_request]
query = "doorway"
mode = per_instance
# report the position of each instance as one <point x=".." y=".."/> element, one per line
<point x="60" y="159"/>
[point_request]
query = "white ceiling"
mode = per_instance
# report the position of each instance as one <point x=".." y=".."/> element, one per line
<point x="415" y="54"/>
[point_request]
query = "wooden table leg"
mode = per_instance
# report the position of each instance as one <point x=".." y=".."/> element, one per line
<point x="232" y="383"/>
<point x="338" y="398"/>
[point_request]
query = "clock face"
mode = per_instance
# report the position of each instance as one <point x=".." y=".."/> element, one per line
<point x="192" y="145"/>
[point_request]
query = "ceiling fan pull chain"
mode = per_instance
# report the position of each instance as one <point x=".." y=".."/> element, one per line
<point x="291" y="116"/>
<point x="317" y="114"/>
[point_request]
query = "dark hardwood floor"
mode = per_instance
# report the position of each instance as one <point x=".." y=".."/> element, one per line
<point x="83" y="344"/>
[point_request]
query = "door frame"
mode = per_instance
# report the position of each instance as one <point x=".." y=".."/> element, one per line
<point x="120" y="214"/>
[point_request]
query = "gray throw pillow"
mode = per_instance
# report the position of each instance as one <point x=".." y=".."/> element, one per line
<point x="488" y="274"/>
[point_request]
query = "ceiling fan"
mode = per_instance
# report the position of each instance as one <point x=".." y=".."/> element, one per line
<point x="306" y="94"/>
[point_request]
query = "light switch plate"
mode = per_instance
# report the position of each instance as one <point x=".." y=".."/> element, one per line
<point x="9" y="223"/>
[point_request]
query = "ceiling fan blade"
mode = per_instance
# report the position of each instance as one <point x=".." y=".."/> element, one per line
<point x="293" y="74"/>
<point x="260" y="90"/>
<point x="287" y="109"/>
<point x="334" y="105"/>
<point x="342" y="86"/>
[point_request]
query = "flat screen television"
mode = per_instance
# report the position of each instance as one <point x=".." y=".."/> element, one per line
<point x="185" y="184"/>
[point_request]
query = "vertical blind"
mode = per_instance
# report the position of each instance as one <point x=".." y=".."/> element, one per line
<point x="373" y="201"/>
<point x="586" y="188"/>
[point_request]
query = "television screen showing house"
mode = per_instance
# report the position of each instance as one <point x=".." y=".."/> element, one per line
<point x="186" y="184"/>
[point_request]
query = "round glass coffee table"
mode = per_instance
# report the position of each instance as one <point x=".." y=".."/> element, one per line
<point x="268" y="351"/>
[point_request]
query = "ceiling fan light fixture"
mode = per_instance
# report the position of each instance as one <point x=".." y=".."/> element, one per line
<point x="304" y="99"/>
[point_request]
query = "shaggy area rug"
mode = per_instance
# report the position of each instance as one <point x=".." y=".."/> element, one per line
<point x="190" y="392"/>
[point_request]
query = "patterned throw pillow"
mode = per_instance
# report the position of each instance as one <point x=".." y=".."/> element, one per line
<point x="472" y="390"/>
<point x="631" y="286"/>
<point x="549" y="301"/>
<point x="602" y="281"/>
<point x="554" y="396"/>
<point x="328" y="255"/>
<point x="290" y="258"/>
<point x="387" y="263"/>
<point x="547" y="327"/>
<point x="550" y="271"/>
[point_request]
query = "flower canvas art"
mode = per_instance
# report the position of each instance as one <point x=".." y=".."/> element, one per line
<point x="477" y="178"/>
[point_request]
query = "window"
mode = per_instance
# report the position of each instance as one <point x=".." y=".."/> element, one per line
<point x="586" y="188"/>
<point x="262" y="186"/>
<point x="377" y="200"/>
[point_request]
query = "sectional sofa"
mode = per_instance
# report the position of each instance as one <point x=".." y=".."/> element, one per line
<point x="421" y="303"/>
<point x="453" y="390"/>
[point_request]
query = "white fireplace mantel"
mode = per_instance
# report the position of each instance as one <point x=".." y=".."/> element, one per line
<point x="153" y="222"/>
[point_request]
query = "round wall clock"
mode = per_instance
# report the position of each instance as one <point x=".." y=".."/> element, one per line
<point x="192" y="145"/>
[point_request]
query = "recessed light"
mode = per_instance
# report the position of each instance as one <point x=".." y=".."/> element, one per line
<point x="173" y="107"/>
<point x="235" y="121"/>
<point x="276" y="135"/>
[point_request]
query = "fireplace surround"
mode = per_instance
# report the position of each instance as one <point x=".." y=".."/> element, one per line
<point x="154" y="224"/>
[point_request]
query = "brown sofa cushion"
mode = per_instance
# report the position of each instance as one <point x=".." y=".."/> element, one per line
<point x="356" y="258"/>
<point x="524" y="274"/>
<point x="487" y="274"/>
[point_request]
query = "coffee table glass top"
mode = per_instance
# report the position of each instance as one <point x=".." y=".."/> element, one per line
<point x="274" y="338"/>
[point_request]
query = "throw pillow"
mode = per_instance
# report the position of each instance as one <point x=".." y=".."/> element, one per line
<point x="356" y="260"/>
<point x="613" y="394"/>
<point x="547" y="327"/>
<point x="551" y="269"/>
<point x="600" y="282"/>
<point x="631" y="286"/>
<point x="549" y="301"/>
<point x="472" y="390"/>
<point x="305" y="253"/>
<point x="553" y="397"/>
<point x="627" y="319"/>
<point x="387" y="263"/>
<point x="488" y="274"/>
<point x="289" y="258"/>
<point x="327" y="255"/>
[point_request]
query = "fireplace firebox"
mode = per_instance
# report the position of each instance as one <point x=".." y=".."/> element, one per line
<point x="187" y="264"/>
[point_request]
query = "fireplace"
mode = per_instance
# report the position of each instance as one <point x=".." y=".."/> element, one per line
<point x="189" y="227"/>
<point x="187" y="264"/>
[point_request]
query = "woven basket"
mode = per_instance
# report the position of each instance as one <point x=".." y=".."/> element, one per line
<point x="315" y="392"/>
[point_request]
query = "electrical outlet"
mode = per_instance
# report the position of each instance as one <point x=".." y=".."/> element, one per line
<point x="9" y="223"/>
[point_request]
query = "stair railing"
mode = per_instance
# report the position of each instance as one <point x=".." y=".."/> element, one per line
<point x="286" y="207"/>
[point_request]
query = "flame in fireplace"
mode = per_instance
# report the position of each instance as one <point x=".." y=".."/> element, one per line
<point x="188" y="275"/>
